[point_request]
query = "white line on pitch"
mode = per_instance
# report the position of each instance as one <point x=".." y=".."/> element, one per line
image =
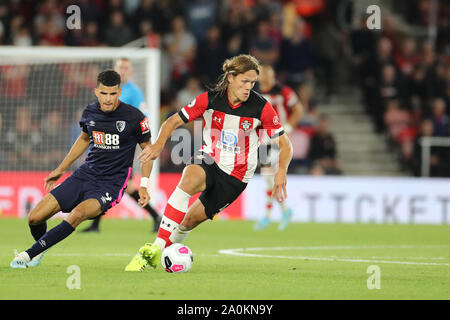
<point x="240" y="252"/>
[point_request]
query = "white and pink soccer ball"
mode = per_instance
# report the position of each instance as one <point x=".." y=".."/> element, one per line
<point x="177" y="258"/>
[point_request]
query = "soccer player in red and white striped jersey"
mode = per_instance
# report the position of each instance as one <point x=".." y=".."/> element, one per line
<point x="233" y="118"/>
<point x="289" y="108"/>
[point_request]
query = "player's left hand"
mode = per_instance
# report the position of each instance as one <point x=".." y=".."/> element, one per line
<point x="279" y="188"/>
<point x="144" y="197"/>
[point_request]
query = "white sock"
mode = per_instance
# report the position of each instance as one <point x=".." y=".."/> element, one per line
<point x="161" y="243"/>
<point x="178" y="235"/>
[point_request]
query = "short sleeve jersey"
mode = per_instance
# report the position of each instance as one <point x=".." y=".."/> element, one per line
<point x="113" y="139"/>
<point x="282" y="98"/>
<point x="231" y="132"/>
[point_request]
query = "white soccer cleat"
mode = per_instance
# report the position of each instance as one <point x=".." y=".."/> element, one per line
<point x="20" y="260"/>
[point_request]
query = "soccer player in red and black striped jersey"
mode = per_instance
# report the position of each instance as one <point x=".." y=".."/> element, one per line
<point x="289" y="108"/>
<point x="232" y="115"/>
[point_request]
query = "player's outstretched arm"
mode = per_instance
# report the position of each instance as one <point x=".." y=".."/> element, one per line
<point x="152" y="151"/>
<point x="78" y="148"/>
<point x="280" y="180"/>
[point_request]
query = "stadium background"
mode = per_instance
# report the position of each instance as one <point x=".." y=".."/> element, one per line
<point x="381" y="91"/>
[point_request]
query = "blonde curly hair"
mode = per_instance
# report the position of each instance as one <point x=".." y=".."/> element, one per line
<point x="236" y="65"/>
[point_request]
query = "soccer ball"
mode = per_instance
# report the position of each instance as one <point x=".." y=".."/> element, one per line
<point x="177" y="258"/>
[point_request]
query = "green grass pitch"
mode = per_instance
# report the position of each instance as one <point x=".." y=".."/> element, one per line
<point x="306" y="261"/>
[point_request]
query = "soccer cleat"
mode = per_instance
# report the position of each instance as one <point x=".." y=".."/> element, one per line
<point x="262" y="224"/>
<point x="19" y="261"/>
<point x="152" y="253"/>
<point x="285" y="218"/>
<point x="137" y="264"/>
<point x="36" y="261"/>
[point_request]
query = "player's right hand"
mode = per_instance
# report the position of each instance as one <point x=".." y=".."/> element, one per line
<point x="144" y="197"/>
<point x="279" y="188"/>
<point x="150" y="152"/>
<point x="51" y="179"/>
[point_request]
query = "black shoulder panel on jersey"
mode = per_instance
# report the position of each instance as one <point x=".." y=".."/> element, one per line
<point x="252" y="108"/>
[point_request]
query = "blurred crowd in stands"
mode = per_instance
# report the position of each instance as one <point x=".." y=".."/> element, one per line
<point x="404" y="80"/>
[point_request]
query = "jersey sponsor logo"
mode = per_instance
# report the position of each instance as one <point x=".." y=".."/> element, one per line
<point x="228" y="142"/>
<point x="99" y="137"/>
<point x="217" y="119"/>
<point x="229" y="138"/>
<point x="120" y="125"/>
<point x="106" y="141"/>
<point x="144" y="126"/>
<point x="190" y="105"/>
<point x="92" y="123"/>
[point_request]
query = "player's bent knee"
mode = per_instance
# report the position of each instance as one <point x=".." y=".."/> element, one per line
<point x="39" y="215"/>
<point x="34" y="218"/>
<point x="44" y="210"/>
<point x="193" y="179"/>
<point x="77" y="216"/>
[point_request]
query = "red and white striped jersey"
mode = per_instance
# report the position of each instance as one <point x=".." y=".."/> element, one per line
<point x="231" y="133"/>
<point x="282" y="98"/>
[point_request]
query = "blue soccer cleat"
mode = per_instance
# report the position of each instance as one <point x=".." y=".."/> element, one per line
<point x="36" y="261"/>
<point x="19" y="261"/>
<point x="285" y="219"/>
<point x="262" y="224"/>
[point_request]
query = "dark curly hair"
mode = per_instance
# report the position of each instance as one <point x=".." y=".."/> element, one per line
<point x="109" y="78"/>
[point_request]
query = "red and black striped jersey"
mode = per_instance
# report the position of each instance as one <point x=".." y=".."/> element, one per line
<point x="231" y="133"/>
<point x="282" y="98"/>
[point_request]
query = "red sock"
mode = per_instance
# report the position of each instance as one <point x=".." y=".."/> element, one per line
<point x="172" y="218"/>
<point x="173" y="215"/>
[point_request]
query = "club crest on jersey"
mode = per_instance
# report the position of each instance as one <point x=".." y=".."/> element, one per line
<point x="120" y="125"/>
<point x="245" y="125"/>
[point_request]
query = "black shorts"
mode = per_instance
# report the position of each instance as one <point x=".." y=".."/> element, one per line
<point x="77" y="188"/>
<point x="221" y="189"/>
